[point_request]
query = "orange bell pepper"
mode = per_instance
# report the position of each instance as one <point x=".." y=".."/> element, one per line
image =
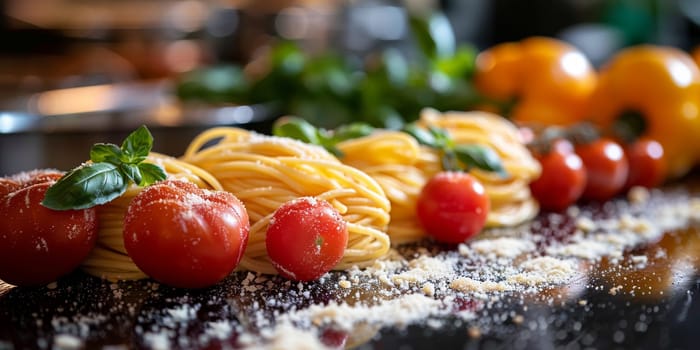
<point x="652" y="91"/>
<point x="547" y="80"/>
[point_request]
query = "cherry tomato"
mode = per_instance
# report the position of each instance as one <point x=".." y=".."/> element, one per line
<point x="38" y="245"/>
<point x="38" y="176"/>
<point x="606" y="168"/>
<point x="647" y="163"/>
<point x="452" y="207"/>
<point x="184" y="236"/>
<point x="306" y="238"/>
<point x="7" y="186"/>
<point x="26" y="179"/>
<point x="563" y="177"/>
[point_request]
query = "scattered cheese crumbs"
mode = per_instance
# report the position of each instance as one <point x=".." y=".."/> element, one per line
<point x="503" y="247"/>
<point x="157" y="340"/>
<point x="286" y="336"/>
<point x="67" y="341"/>
<point x="474" y="332"/>
<point x="615" y="290"/>
<point x="544" y="270"/>
<point x="583" y="302"/>
<point x="463" y="249"/>
<point x="518" y="319"/>
<point x="466" y="284"/>
<point x="428" y="289"/>
<point x="424" y="268"/>
<point x="639" y="259"/>
<point x="344" y="284"/>
<point x="586" y="224"/>
<point x="630" y="223"/>
<point x="402" y="311"/>
<point x="638" y="195"/>
<point x="573" y="211"/>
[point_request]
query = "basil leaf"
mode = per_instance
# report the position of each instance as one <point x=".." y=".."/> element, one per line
<point x="150" y="174"/>
<point x="480" y="157"/>
<point x="105" y="152"/>
<point x="298" y="129"/>
<point x="424" y="137"/>
<point x="433" y="34"/>
<point x="86" y="186"/>
<point x="442" y="138"/>
<point x="132" y="172"/>
<point x="137" y="145"/>
<point x="352" y="131"/>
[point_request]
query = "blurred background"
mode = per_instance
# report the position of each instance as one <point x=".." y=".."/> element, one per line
<point x="76" y="72"/>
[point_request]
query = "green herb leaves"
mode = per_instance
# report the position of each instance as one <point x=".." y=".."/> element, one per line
<point x="111" y="171"/>
<point x="454" y="157"/>
<point x="300" y="129"/>
<point x="457" y="157"/>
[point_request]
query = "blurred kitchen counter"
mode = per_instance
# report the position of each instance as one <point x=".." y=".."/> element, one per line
<point x="56" y="128"/>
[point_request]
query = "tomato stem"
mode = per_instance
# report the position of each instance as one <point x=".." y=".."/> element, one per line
<point x="583" y="133"/>
<point x="629" y="126"/>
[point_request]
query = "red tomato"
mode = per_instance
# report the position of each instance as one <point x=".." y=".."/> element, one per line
<point x="184" y="236"/>
<point x="563" y="177"/>
<point x="647" y="163"/>
<point x="27" y="179"/>
<point x="306" y="238"/>
<point x="37" y="244"/>
<point x="7" y="186"/>
<point x="38" y="176"/>
<point x="606" y="168"/>
<point x="452" y="207"/>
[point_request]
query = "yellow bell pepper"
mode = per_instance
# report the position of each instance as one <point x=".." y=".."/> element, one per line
<point x="652" y="91"/>
<point x="546" y="80"/>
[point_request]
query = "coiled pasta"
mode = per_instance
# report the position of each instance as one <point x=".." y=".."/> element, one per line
<point x="402" y="166"/>
<point x="266" y="171"/>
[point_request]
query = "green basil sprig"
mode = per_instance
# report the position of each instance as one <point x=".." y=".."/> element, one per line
<point x="111" y="171"/>
<point x="456" y="157"/>
<point x="302" y="130"/>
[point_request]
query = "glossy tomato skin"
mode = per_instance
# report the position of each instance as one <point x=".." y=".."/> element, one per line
<point x="607" y="168"/>
<point x="452" y="207"/>
<point x="306" y="238"/>
<point x="38" y="245"/>
<point x="563" y="177"/>
<point x="7" y="186"/>
<point x="184" y="236"/>
<point x="647" y="163"/>
<point x="26" y="179"/>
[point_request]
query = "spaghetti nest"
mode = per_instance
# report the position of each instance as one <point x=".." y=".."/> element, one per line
<point x="402" y="166"/>
<point x="109" y="259"/>
<point x="266" y="171"/>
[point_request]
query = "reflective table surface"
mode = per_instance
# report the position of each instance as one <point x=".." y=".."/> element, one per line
<point x="644" y="299"/>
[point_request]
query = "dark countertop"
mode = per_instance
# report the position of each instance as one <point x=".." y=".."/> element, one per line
<point x="616" y="304"/>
